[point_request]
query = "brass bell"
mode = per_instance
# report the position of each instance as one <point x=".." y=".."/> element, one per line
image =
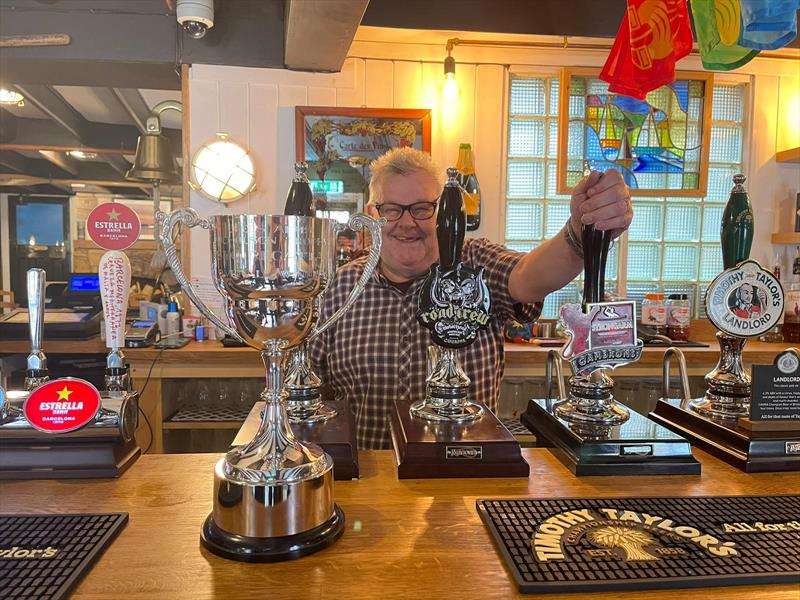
<point x="154" y="160"/>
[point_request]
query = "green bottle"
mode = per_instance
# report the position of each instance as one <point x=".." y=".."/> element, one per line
<point x="737" y="225"/>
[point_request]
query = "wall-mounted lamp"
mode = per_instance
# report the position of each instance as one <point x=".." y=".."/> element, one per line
<point x="449" y="89"/>
<point x="222" y="170"/>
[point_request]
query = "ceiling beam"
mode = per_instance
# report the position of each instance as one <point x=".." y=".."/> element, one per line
<point x="38" y="133"/>
<point x="113" y="43"/>
<point x="54" y="106"/>
<point x="59" y="110"/>
<point x="61" y="160"/>
<point x="38" y="147"/>
<point x="117" y="162"/>
<point x="12" y="160"/>
<point x="318" y="33"/>
<point x="131" y="100"/>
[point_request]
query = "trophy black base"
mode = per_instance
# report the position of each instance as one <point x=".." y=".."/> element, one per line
<point x="430" y="450"/>
<point x="82" y="458"/>
<point x="636" y="447"/>
<point x="337" y="436"/>
<point x="753" y="451"/>
<point x="277" y="549"/>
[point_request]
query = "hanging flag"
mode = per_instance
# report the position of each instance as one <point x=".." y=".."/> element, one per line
<point x="717" y="24"/>
<point x="654" y="35"/>
<point x="768" y="24"/>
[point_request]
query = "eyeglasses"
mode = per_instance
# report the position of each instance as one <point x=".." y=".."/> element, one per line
<point x="420" y="211"/>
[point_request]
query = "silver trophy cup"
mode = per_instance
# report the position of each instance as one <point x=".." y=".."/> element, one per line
<point x="273" y="497"/>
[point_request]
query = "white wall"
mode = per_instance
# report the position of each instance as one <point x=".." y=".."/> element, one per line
<point x="395" y="69"/>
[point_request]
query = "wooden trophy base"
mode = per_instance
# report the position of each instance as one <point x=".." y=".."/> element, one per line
<point x="430" y="450"/>
<point x="46" y="457"/>
<point x="337" y="436"/>
<point x="636" y="447"/>
<point x="752" y="449"/>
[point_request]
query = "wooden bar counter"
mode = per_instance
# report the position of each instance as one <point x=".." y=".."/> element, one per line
<point x="209" y="359"/>
<point x="403" y="539"/>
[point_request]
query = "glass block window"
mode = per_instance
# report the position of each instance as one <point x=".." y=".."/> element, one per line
<point x="534" y="210"/>
<point x="673" y="243"/>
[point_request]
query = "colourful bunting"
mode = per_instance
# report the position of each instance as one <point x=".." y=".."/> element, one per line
<point x="768" y="24"/>
<point x="717" y="25"/>
<point x="654" y="35"/>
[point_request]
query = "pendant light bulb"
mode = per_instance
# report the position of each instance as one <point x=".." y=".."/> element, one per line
<point x="449" y="88"/>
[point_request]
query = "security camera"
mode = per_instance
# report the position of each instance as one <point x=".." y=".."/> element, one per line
<point x="196" y="16"/>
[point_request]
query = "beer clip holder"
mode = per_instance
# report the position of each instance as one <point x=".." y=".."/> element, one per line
<point x="448" y="433"/>
<point x="66" y="428"/>
<point x="750" y="423"/>
<point x="584" y="426"/>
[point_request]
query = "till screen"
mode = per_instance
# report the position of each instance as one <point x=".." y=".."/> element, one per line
<point x="84" y="283"/>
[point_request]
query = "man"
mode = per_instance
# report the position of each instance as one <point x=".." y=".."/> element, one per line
<point x="376" y="353"/>
<point x="743" y="304"/>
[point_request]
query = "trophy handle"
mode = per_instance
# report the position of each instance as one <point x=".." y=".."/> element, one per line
<point x="190" y="218"/>
<point x="356" y="223"/>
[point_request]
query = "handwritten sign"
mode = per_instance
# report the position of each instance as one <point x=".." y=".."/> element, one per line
<point x="115" y="283"/>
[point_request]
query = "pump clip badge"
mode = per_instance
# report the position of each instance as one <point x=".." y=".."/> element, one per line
<point x="745" y="301"/>
<point x="62" y="405"/>
<point x="454" y="305"/>
<point x="602" y="337"/>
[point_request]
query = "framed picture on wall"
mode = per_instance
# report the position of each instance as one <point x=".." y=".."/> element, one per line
<point x="339" y="143"/>
<point x="660" y="144"/>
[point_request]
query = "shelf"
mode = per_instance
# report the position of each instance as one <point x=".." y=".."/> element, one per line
<point x="788" y="237"/>
<point x="792" y="155"/>
<point x="222" y="417"/>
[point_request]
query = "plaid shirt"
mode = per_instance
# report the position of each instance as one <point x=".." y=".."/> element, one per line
<point x="376" y="353"/>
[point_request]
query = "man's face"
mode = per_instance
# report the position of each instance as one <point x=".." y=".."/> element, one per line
<point x="747" y="293"/>
<point x="409" y="246"/>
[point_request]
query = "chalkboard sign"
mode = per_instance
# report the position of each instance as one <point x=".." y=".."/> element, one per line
<point x="776" y="389"/>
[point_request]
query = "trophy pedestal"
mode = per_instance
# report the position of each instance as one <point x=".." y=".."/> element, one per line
<point x="252" y="549"/>
<point x="272" y="521"/>
<point x="636" y="447"/>
<point x="431" y="450"/>
<point x="337" y="436"/>
<point x="753" y="449"/>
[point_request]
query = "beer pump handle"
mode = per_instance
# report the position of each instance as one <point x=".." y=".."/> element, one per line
<point x="115" y="283"/>
<point x="37" y="361"/>
<point x="596" y="244"/>
<point x="451" y="222"/>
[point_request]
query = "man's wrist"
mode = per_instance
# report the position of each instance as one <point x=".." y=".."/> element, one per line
<point x="573" y="241"/>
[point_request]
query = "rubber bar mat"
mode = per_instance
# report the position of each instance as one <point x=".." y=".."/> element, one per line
<point x="45" y="556"/>
<point x="578" y="545"/>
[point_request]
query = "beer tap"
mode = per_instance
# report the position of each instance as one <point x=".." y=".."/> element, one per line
<point x="447" y="385"/>
<point x="596" y="244"/>
<point x="115" y="283"/>
<point x="36" y="372"/>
